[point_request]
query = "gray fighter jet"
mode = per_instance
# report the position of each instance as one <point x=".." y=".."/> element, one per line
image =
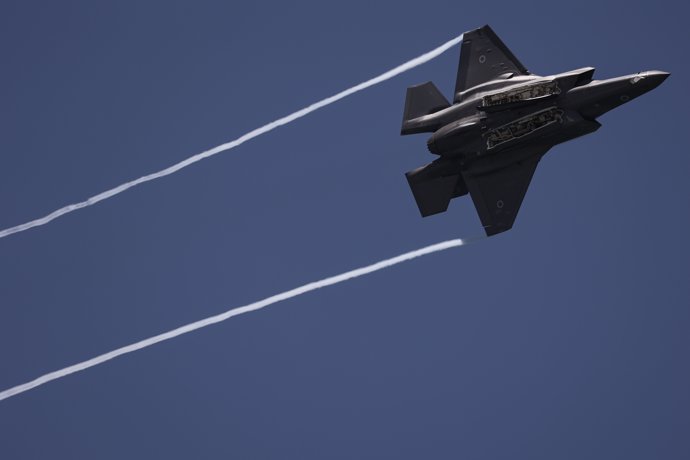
<point x="502" y="121"/>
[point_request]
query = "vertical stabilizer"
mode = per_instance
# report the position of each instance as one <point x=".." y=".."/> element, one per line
<point x="421" y="100"/>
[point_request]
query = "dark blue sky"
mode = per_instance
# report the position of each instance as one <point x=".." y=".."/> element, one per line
<point x="563" y="338"/>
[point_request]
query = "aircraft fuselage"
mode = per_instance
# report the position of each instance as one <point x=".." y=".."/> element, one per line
<point x="502" y="121"/>
<point x="505" y="114"/>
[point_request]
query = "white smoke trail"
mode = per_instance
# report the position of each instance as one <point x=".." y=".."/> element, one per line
<point x="234" y="312"/>
<point x="232" y="144"/>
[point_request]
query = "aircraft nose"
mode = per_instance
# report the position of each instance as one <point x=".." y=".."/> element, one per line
<point x="656" y="77"/>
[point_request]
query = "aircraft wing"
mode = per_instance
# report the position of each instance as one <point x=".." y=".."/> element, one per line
<point x="498" y="195"/>
<point x="484" y="57"/>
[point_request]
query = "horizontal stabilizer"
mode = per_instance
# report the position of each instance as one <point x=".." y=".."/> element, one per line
<point x="434" y="185"/>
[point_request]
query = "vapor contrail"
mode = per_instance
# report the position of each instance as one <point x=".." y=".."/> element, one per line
<point x="234" y="312"/>
<point x="232" y="144"/>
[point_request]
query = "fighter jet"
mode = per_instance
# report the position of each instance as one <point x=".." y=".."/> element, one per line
<point x="503" y="119"/>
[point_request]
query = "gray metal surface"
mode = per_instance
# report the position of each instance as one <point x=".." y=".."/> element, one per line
<point x="502" y="121"/>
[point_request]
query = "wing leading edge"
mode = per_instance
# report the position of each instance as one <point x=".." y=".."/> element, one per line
<point x="498" y="195"/>
<point x="484" y="57"/>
